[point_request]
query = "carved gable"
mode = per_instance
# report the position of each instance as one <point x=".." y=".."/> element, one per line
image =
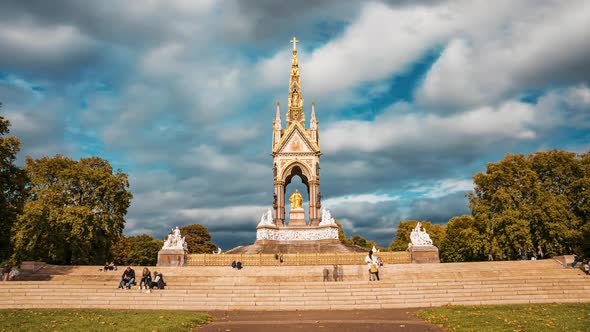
<point x="296" y="140"/>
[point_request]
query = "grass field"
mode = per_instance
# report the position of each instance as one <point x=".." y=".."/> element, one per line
<point x="100" y="320"/>
<point x="521" y="317"/>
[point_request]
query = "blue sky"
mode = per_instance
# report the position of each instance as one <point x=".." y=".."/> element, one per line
<point x="413" y="98"/>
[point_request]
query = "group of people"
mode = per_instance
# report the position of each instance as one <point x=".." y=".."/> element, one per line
<point x="373" y="263"/>
<point x="146" y="282"/>
<point x="585" y="263"/>
<point x="9" y="273"/>
<point x="529" y="254"/>
<point x="109" y="266"/>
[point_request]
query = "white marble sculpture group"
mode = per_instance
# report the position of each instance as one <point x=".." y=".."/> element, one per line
<point x="266" y="218"/>
<point x="296" y="234"/>
<point x="419" y="237"/>
<point x="327" y="218"/>
<point x="175" y="241"/>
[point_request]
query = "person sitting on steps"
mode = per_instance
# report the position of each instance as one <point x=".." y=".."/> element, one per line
<point x="158" y="280"/>
<point x="128" y="278"/>
<point x="146" y="279"/>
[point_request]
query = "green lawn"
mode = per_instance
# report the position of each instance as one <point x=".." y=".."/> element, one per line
<point x="519" y="317"/>
<point x="100" y="320"/>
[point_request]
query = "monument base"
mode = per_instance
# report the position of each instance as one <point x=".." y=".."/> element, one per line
<point x="296" y="234"/>
<point x="297" y="217"/>
<point x="171" y="257"/>
<point x="424" y="254"/>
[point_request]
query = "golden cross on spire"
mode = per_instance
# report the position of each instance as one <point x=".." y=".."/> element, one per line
<point x="294" y="41"/>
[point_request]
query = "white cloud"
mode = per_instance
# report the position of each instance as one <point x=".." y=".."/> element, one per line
<point x="444" y="188"/>
<point x="545" y="44"/>
<point x="429" y="131"/>
<point x="360" y="198"/>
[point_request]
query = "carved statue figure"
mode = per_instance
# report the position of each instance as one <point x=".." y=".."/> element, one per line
<point x="175" y="241"/>
<point x="327" y="218"/>
<point x="419" y="237"/>
<point x="296" y="200"/>
<point x="266" y="218"/>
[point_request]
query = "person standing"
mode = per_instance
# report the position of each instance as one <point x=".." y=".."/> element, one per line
<point x="373" y="265"/>
<point x="539" y="252"/>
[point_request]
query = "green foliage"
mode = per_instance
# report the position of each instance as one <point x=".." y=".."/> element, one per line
<point x="198" y="239"/>
<point x="402" y="235"/>
<point x="360" y="241"/>
<point x="539" y="200"/>
<point x="75" y="211"/>
<point x="137" y="250"/>
<point x="342" y="234"/>
<point x="463" y="242"/>
<point x="516" y="317"/>
<point x="12" y="187"/>
<point x="100" y="320"/>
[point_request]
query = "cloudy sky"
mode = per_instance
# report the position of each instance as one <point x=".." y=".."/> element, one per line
<point x="413" y="98"/>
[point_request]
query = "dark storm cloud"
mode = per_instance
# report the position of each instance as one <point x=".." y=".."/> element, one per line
<point x="440" y="210"/>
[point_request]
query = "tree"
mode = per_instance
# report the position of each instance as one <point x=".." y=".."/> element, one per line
<point x="436" y="232"/>
<point x="12" y="186"/>
<point x="198" y="239"/>
<point x="463" y="242"/>
<point x="359" y="241"/>
<point x="538" y="200"/>
<point x="137" y="250"/>
<point x="342" y="234"/>
<point x="75" y="211"/>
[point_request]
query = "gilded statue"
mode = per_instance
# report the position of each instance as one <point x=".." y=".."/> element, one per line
<point x="296" y="200"/>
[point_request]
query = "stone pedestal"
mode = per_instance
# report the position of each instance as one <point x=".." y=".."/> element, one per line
<point x="297" y="234"/>
<point x="424" y="254"/>
<point x="297" y="217"/>
<point x="171" y="257"/>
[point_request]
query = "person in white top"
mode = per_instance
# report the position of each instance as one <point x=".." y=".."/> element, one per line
<point x="373" y="265"/>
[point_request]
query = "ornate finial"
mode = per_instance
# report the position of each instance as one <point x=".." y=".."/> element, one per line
<point x="295" y="113"/>
<point x="294" y="41"/>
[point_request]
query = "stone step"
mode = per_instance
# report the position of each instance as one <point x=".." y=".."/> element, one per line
<point x="301" y="288"/>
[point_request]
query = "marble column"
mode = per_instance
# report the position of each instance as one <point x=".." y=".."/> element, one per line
<point x="279" y="216"/>
<point x="314" y="215"/>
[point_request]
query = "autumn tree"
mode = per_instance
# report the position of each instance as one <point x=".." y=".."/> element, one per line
<point x="137" y="250"/>
<point x="12" y="186"/>
<point x="342" y="234"/>
<point x="463" y="242"/>
<point x="198" y="239"/>
<point x="530" y="201"/>
<point x="74" y="212"/>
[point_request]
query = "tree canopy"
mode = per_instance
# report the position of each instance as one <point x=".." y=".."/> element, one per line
<point x="74" y="212"/>
<point x="137" y="250"/>
<point x="12" y="186"/>
<point x="198" y="239"/>
<point x="542" y="199"/>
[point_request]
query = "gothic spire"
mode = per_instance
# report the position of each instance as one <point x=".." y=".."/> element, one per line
<point x="295" y="105"/>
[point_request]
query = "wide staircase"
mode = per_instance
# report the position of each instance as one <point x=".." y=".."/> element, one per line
<point x="303" y="287"/>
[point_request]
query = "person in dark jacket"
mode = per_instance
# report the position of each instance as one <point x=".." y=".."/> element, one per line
<point x="146" y="279"/>
<point x="128" y="278"/>
<point x="158" y="280"/>
<point x="5" y="272"/>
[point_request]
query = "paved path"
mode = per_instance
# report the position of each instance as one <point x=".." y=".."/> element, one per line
<point x="336" y="320"/>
